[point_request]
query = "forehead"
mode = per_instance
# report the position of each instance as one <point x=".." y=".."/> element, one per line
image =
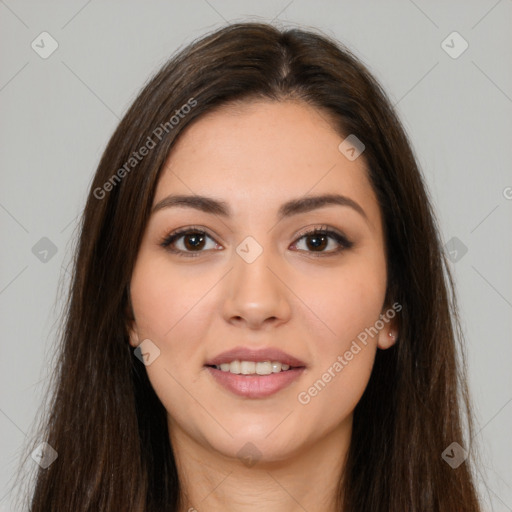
<point x="264" y="153"/>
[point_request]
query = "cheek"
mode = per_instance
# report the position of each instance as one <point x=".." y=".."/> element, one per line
<point x="166" y="298"/>
<point x="171" y="306"/>
<point x="341" y="311"/>
<point x="332" y="392"/>
<point x="341" y="304"/>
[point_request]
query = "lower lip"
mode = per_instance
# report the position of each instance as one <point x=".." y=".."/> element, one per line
<point x="255" y="386"/>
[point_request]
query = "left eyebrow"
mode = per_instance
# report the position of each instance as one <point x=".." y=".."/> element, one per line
<point x="307" y="204"/>
<point x="292" y="207"/>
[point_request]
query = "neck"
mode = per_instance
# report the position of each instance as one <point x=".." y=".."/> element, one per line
<point x="306" y="480"/>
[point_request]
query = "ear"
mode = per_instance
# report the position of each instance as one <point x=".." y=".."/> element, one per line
<point x="131" y="324"/>
<point x="387" y="338"/>
<point x="388" y="334"/>
<point x="133" y="335"/>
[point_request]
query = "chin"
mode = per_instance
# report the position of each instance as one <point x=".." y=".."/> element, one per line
<point x="262" y="443"/>
<point x="252" y="451"/>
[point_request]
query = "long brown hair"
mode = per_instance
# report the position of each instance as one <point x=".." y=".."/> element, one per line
<point x="106" y="422"/>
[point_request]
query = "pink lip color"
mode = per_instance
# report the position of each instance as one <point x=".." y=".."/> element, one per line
<point x="255" y="386"/>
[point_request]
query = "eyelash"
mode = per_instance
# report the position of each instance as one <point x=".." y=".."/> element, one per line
<point x="324" y="230"/>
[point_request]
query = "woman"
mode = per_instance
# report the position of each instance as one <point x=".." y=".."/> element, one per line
<point x="261" y="313"/>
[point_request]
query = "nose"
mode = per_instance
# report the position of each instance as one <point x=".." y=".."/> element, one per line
<point x="256" y="293"/>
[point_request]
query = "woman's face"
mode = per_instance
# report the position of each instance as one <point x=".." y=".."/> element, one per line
<point x="254" y="282"/>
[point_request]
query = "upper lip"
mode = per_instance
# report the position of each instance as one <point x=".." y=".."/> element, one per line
<point x="247" y="354"/>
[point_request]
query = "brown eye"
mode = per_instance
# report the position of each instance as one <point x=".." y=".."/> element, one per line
<point x="193" y="241"/>
<point x="187" y="241"/>
<point x="317" y="240"/>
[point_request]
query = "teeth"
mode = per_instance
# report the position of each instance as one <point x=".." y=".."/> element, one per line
<point x="252" y="368"/>
<point x="264" y="368"/>
<point x="247" y="367"/>
<point x="234" y="367"/>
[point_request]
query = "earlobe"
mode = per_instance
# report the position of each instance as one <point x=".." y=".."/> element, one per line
<point x="133" y="336"/>
<point x="130" y="320"/>
<point x="387" y="338"/>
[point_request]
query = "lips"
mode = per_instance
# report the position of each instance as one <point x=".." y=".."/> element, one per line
<point x="264" y="354"/>
<point x="255" y="386"/>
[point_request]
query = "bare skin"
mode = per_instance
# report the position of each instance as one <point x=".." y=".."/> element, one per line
<point x="310" y="301"/>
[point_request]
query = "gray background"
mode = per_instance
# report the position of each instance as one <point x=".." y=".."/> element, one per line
<point x="58" y="113"/>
